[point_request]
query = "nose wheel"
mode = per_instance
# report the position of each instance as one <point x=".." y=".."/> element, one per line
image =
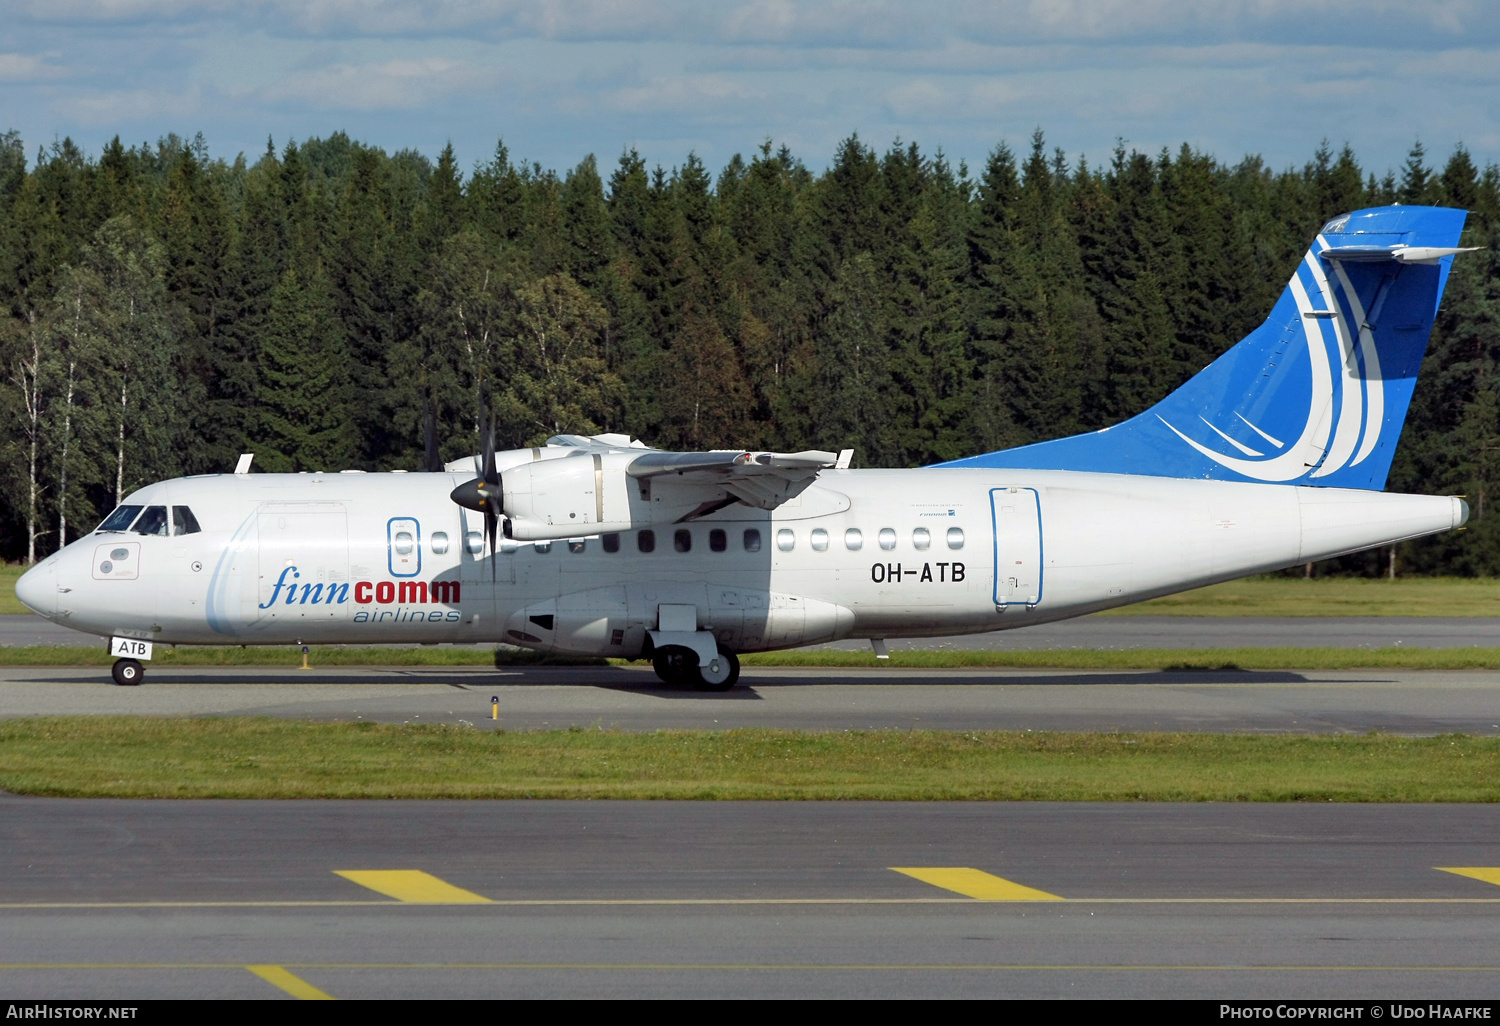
<point x="127" y="672"/>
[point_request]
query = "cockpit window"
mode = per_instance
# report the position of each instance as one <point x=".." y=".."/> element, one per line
<point x="153" y="521"/>
<point x="183" y="521"/>
<point x="120" y="518"/>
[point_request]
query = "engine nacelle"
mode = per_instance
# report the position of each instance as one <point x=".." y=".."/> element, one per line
<point x="590" y="493"/>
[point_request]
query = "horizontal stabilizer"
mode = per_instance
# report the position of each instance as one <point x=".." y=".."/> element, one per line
<point x="1400" y="254"/>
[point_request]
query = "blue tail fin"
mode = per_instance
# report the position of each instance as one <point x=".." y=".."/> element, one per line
<point x="1317" y="394"/>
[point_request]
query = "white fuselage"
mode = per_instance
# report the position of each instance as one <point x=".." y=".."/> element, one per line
<point x="316" y="558"/>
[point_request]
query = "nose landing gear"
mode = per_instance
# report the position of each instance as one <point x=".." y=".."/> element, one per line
<point x="127" y="672"/>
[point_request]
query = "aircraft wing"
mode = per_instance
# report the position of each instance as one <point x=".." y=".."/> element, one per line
<point x="761" y="479"/>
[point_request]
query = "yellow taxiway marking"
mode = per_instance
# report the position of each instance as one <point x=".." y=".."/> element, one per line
<point x="1489" y="874"/>
<point x="767" y="966"/>
<point x="412" y="886"/>
<point x="975" y="883"/>
<point x="296" y="986"/>
<point x="39" y="906"/>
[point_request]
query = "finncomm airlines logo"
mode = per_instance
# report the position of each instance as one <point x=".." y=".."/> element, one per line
<point x="289" y="590"/>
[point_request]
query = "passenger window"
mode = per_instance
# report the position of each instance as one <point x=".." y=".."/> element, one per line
<point x="403" y="542"/>
<point x="545" y="546"/>
<point x="786" y="541"/>
<point x="577" y="545"/>
<point x="887" y="538"/>
<point x="682" y="540"/>
<point x="183" y="521"/>
<point x="955" y="537"/>
<point x="752" y="540"/>
<point x="854" y="539"/>
<point x="645" y="541"/>
<point x="120" y="518"/>
<point x="474" y="542"/>
<point x="611" y="542"/>
<point x="921" y="539"/>
<point x="153" y="521"/>
<point x="439" y="542"/>
<point x="717" y="540"/>
<point x="819" y="540"/>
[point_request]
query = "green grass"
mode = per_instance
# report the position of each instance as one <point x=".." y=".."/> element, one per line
<point x="1330" y="596"/>
<point x="264" y="758"/>
<point x="1394" y="658"/>
<point x="287" y="655"/>
<point x="9" y="575"/>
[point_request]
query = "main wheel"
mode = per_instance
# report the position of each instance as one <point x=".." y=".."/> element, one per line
<point x="719" y="675"/>
<point x="127" y="672"/>
<point x="675" y="665"/>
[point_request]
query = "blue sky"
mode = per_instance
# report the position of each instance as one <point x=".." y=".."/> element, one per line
<point x="562" y="78"/>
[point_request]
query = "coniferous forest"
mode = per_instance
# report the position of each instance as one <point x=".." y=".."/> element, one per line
<point x="163" y="310"/>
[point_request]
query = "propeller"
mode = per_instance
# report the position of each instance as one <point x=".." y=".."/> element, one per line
<point x="484" y="494"/>
<point x="434" y="460"/>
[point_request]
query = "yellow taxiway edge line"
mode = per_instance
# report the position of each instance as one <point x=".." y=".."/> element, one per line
<point x="313" y="992"/>
<point x="296" y="986"/>
<point x="975" y="883"/>
<point x="412" y="886"/>
<point x="1489" y="874"/>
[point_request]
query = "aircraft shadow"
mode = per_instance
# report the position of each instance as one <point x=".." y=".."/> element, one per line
<point x="635" y="681"/>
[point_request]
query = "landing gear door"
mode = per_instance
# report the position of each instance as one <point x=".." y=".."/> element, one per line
<point x="1017" y="514"/>
<point x="304" y="562"/>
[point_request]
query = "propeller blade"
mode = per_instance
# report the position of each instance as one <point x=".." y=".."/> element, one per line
<point x="485" y="494"/>
<point x="490" y="523"/>
<point x="434" y="461"/>
<point x="491" y="475"/>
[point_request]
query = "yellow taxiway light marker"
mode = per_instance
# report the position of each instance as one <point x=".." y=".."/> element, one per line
<point x="975" y="883"/>
<point x="296" y="986"/>
<point x="1489" y="874"/>
<point x="412" y="886"/>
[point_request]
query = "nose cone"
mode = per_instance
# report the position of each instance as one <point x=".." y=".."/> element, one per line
<point x="37" y="589"/>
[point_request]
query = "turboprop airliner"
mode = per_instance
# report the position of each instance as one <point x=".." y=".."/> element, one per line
<point x="1274" y="455"/>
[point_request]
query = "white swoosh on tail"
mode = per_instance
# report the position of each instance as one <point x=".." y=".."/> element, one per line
<point x="1289" y="465"/>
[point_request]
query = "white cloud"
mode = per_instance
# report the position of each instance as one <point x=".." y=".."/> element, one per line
<point x="391" y="85"/>
<point x="22" y="67"/>
<point x="547" y="19"/>
<point x="717" y="95"/>
<point x="112" y="108"/>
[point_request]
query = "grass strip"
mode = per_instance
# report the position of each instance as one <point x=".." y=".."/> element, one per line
<point x="283" y="655"/>
<point x="1187" y="659"/>
<point x="1392" y="658"/>
<point x="1273" y="595"/>
<point x="265" y="758"/>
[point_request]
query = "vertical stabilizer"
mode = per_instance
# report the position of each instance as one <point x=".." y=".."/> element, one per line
<point x="1316" y="395"/>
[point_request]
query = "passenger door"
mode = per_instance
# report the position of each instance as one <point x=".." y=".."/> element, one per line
<point x="1017" y="515"/>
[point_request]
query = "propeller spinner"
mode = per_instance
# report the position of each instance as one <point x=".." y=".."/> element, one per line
<point x="484" y="494"/>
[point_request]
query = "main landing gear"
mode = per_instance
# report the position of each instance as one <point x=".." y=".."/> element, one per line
<point x="677" y="665"/>
<point x="127" y="672"/>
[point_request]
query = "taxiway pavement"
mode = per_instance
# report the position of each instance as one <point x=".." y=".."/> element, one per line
<point x="631" y="698"/>
<point x="125" y="899"/>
